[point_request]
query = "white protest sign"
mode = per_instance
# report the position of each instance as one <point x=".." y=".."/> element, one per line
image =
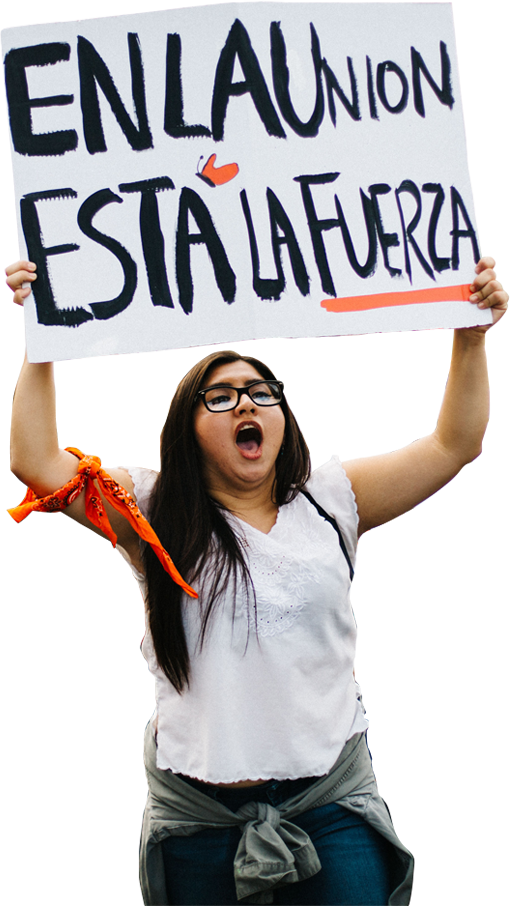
<point x="240" y="171"/>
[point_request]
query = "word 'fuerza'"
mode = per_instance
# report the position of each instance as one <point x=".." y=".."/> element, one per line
<point x="387" y="88"/>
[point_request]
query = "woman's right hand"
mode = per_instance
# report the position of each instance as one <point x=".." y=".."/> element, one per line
<point x="17" y="274"/>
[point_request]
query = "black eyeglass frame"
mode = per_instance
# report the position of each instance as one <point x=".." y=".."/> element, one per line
<point x="240" y="391"/>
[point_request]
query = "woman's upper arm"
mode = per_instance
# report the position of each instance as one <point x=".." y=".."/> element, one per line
<point x="126" y="535"/>
<point x="389" y="485"/>
<point x="48" y="477"/>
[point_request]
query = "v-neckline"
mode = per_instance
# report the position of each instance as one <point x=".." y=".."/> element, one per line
<point x="254" y="527"/>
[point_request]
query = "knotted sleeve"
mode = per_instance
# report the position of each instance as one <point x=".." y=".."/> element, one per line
<point x="272" y="852"/>
<point x="89" y="470"/>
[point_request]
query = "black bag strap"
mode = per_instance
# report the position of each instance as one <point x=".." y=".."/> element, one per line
<point x="332" y="522"/>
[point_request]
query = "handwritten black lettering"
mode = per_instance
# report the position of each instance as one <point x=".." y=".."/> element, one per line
<point x="174" y="124"/>
<point x="368" y="268"/>
<point x="444" y="93"/>
<point x="153" y="242"/>
<point x="333" y="87"/>
<point x="238" y="45"/>
<point x="272" y="288"/>
<point x="279" y="220"/>
<point x="20" y="103"/>
<point x="191" y="203"/>
<point x="382" y="69"/>
<point x="45" y="305"/>
<point x="93" y="73"/>
<point x="439" y="264"/>
<point x="281" y="78"/>
<point x="457" y="233"/>
<point x="90" y="207"/>
<point x="387" y="240"/>
<point x="317" y="227"/>
<point x="408" y="229"/>
<point x="372" y="101"/>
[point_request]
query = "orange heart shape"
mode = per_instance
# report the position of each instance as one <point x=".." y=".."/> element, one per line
<point x="217" y="176"/>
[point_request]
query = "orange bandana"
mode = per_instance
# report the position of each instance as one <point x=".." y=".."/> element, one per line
<point x="89" y="469"/>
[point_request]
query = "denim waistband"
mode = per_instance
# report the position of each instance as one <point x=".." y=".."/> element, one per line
<point x="274" y="792"/>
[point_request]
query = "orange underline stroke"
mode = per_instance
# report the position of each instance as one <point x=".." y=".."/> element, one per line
<point x="410" y="297"/>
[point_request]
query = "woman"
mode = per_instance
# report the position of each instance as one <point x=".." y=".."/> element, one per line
<point x="258" y="746"/>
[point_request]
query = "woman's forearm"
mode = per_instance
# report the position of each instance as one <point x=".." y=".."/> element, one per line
<point x="35" y="455"/>
<point x="465" y="410"/>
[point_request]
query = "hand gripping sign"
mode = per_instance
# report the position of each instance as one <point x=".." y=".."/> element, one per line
<point x="240" y="171"/>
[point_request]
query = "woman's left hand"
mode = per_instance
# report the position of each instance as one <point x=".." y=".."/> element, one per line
<point x="488" y="292"/>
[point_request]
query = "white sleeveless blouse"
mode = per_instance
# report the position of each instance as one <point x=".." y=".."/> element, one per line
<point x="272" y="692"/>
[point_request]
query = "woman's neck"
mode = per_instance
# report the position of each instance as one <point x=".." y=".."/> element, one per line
<point x="257" y="508"/>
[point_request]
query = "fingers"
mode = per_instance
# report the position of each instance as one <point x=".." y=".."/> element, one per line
<point x="487" y="291"/>
<point x="489" y="295"/>
<point x="19" y="277"/>
<point x="484" y="263"/>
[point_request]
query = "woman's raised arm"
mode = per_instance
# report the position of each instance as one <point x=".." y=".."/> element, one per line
<point x="387" y="486"/>
<point x="36" y="458"/>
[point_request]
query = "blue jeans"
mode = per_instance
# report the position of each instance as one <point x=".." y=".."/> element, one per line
<point x="357" y="863"/>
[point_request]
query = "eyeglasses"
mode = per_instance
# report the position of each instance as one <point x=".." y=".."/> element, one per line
<point x="222" y="397"/>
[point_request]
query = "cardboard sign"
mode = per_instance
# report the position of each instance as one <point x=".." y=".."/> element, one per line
<point x="240" y="171"/>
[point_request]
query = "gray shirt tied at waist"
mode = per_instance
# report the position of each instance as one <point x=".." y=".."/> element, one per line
<point x="176" y="807"/>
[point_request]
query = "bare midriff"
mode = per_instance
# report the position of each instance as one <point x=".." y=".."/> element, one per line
<point x="240" y="784"/>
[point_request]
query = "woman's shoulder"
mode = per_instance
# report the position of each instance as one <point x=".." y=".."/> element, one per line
<point x="143" y="484"/>
<point x="331" y="488"/>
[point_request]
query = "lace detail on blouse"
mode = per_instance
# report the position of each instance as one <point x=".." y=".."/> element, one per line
<point x="282" y="580"/>
<point x="273" y="612"/>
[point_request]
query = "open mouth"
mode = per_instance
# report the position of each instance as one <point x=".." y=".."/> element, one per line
<point x="249" y="439"/>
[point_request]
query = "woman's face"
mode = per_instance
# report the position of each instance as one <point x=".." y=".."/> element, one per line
<point x="239" y="447"/>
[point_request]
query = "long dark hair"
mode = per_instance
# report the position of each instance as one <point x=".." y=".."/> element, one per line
<point x="186" y="518"/>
